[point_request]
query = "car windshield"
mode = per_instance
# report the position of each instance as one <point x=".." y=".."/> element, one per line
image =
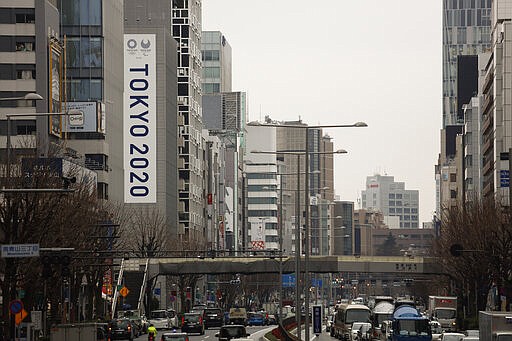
<point x="158" y="314"/>
<point x="120" y="323"/>
<point x="232" y="332"/>
<point x="255" y="315"/>
<point x="445" y="314"/>
<point x="191" y="317"/>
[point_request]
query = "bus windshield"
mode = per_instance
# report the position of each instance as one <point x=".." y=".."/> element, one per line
<point x="357" y="315"/>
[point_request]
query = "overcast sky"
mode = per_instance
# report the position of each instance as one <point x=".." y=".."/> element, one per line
<point x="343" y="61"/>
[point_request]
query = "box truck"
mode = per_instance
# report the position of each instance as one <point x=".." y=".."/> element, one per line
<point x="495" y="325"/>
<point x="443" y="309"/>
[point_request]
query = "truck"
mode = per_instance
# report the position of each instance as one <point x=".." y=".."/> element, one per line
<point x="408" y="324"/>
<point x="443" y="309"/>
<point x="79" y="332"/>
<point x="495" y="325"/>
<point x="383" y="311"/>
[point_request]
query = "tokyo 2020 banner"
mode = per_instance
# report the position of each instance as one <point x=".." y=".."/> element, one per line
<point x="139" y="118"/>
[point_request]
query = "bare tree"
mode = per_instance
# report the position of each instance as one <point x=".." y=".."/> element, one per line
<point x="484" y="230"/>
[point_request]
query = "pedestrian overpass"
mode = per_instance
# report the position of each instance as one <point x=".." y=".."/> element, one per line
<point x="317" y="264"/>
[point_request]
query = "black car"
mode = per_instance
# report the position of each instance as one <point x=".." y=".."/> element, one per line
<point x="213" y="317"/>
<point x="121" y="329"/>
<point x="232" y="331"/>
<point x="192" y="323"/>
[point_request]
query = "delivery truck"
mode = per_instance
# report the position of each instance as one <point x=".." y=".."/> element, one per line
<point x="443" y="309"/>
<point x="495" y="325"/>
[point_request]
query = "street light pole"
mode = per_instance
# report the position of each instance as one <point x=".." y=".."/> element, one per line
<point x="297" y="252"/>
<point x="307" y="282"/>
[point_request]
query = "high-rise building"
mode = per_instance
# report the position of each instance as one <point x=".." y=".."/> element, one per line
<point x="466" y="31"/>
<point x="392" y="199"/>
<point x="224" y="115"/>
<point x="148" y="20"/>
<point x="342" y="231"/>
<point x="496" y="109"/>
<point x="186" y="30"/>
<point x="216" y="56"/>
<point x="29" y="44"/>
<point x="94" y="79"/>
<point x="262" y="185"/>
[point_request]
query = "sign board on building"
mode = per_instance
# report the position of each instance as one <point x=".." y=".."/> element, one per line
<point x="504" y="178"/>
<point x="20" y="250"/>
<point x="91" y="120"/>
<point x="139" y="118"/>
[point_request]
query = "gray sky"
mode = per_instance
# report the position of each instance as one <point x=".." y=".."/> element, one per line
<point x="343" y="61"/>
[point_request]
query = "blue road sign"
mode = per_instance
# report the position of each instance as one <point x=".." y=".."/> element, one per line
<point x="317" y="319"/>
<point x="289" y="281"/>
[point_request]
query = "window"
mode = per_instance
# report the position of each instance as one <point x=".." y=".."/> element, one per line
<point x="262" y="201"/>
<point x="392" y="203"/>
<point x="399" y="196"/>
<point x="210" y="55"/>
<point x="211" y="72"/>
<point x="261" y="176"/>
<point x="24" y="46"/>
<point x="391" y="196"/>
<point x="26" y="74"/>
<point x="26" y="18"/>
<point x="453" y="177"/>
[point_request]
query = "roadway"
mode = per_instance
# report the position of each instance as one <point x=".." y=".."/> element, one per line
<point x="256" y="334"/>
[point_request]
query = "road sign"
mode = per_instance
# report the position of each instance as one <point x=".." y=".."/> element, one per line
<point x="124" y="291"/>
<point x="15" y="306"/>
<point x="317" y="319"/>
<point x="20" y="250"/>
<point x="173" y="298"/>
<point x="20" y="316"/>
<point x="158" y="291"/>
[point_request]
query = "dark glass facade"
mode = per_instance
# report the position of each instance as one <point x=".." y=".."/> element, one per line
<point x="81" y="25"/>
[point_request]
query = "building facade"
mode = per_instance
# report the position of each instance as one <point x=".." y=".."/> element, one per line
<point x="392" y="199"/>
<point x="216" y="56"/>
<point x="29" y="32"/>
<point x="94" y="45"/>
<point x="141" y="23"/>
<point x="186" y="30"/>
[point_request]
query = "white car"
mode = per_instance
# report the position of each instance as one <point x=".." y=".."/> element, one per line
<point x="159" y="319"/>
<point x="452" y="337"/>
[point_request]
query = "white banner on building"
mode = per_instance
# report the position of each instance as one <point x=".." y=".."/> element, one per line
<point x="139" y="118"/>
<point x="258" y="235"/>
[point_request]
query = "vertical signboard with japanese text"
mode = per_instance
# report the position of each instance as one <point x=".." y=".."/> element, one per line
<point x="139" y="118"/>
<point x="54" y="88"/>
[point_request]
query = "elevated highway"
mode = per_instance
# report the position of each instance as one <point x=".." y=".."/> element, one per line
<point x="317" y="264"/>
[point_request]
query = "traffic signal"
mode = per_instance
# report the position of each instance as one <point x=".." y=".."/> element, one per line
<point x="52" y="260"/>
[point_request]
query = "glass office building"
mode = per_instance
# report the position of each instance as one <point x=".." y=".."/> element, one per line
<point x="466" y="31"/>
